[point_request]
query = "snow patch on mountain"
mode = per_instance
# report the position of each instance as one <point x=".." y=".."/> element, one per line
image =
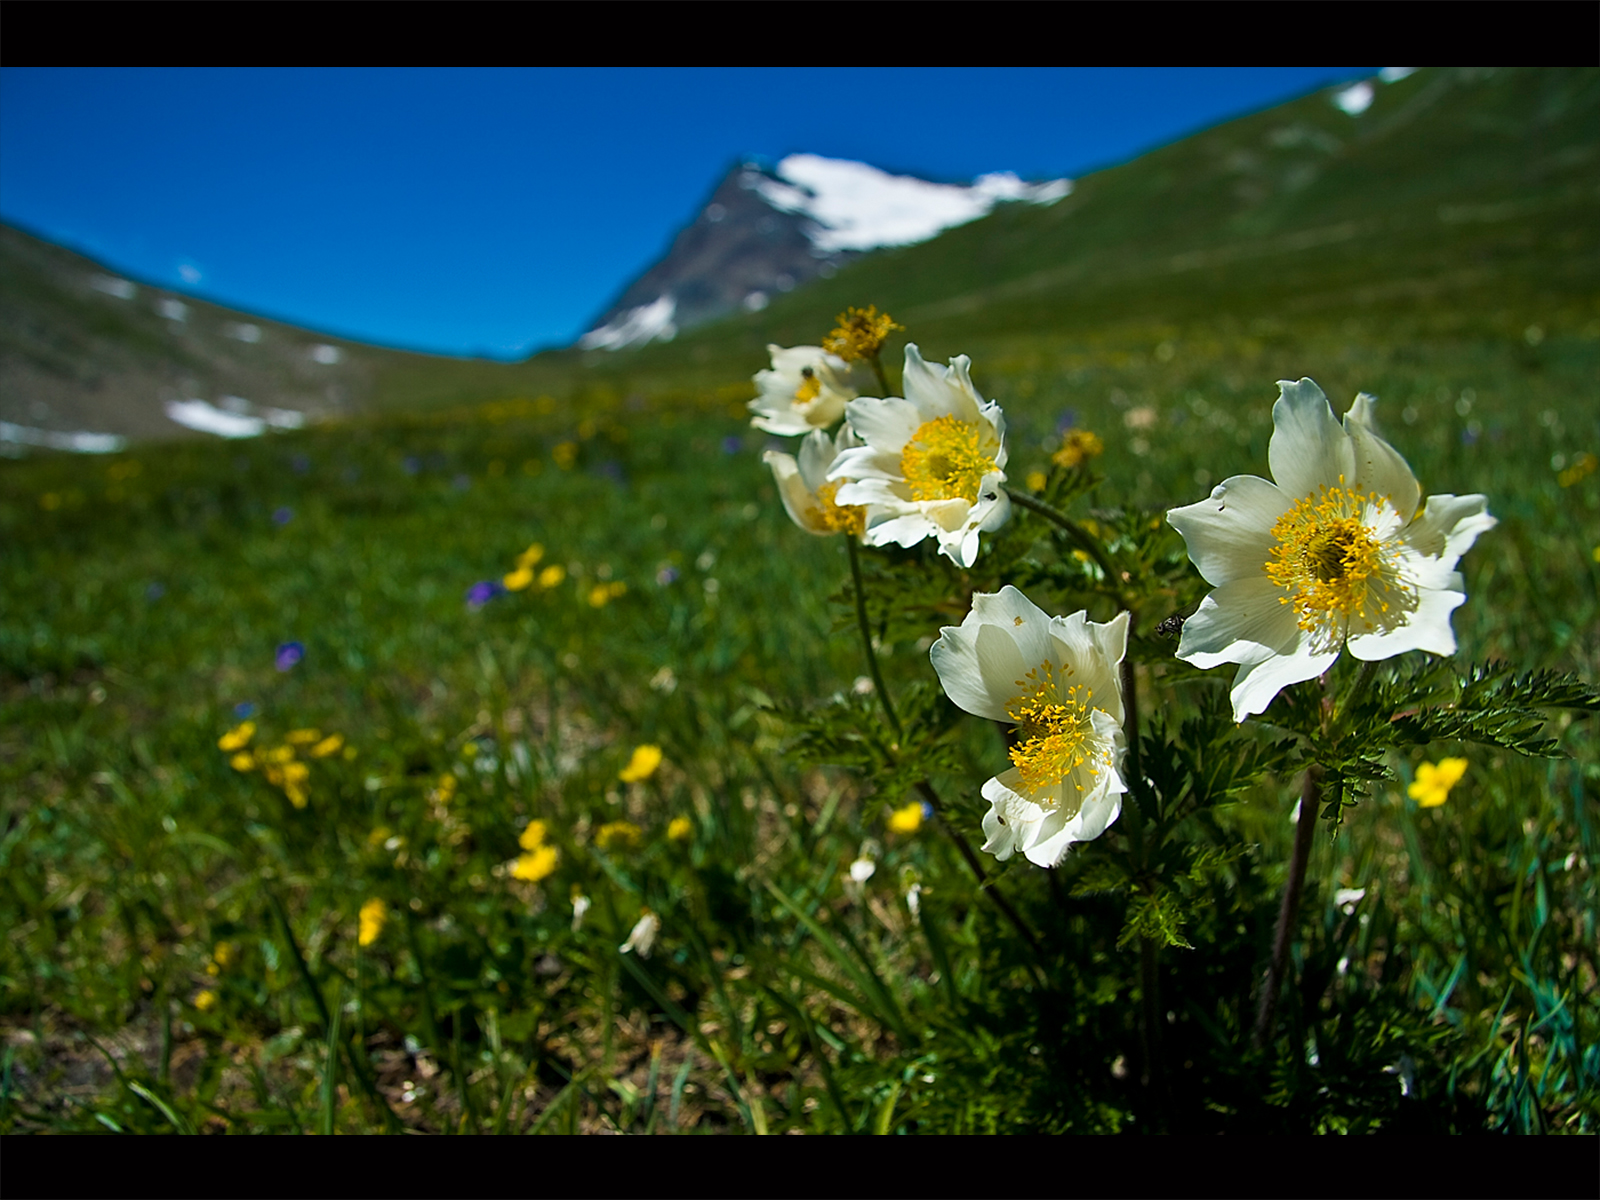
<point x="855" y="206"/>
<point x="647" y="323"/>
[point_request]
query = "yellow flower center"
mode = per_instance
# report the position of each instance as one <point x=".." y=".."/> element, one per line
<point x="1330" y="563"/>
<point x="1053" y="730"/>
<point x="840" y="518"/>
<point x="944" y="460"/>
<point x="810" y="388"/>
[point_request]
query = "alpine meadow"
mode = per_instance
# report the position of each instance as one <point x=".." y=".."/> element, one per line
<point x="1125" y="664"/>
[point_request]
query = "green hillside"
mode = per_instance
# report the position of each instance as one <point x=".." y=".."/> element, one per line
<point x="400" y="899"/>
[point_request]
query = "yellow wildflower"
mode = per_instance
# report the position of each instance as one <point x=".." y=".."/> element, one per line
<point x="679" y="829"/>
<point x="379" y="836"/>
<point x="533" y="836"/>
<point x="642" y="765"/>
<point x="303" y="737"/>
<point x="331" y="744"/>
<point x="615" y="835"/>
<point x="860" y="333"/>
<point x="1036" y="481"/>
<point x="535" y="865"/>
<point x="278" y="754"/>
<point x="599" y="595"/>
<point x="1433" y="783"/>
<point x="242" y="762"/>
<point x="223" y="954"/>
<point x="373" y="915"/>
<point x="564" y="455"/>
<point x="530" y="557"/>
<point x="518" y="580"/>
<point x="205" y="1001"/>
<point x="238" y="737"/>
<point x="1077" y="448"/>
<point x="907" y="819"/>
<point x="552" y="576"/>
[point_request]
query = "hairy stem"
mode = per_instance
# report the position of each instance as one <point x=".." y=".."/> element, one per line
<point x="1305" y="827"/>
<point x="866" y="639"/>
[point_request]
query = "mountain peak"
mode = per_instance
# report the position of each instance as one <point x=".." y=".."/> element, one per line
<point x="767" y="230"/>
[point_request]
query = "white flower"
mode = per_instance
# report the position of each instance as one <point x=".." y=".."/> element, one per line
<point x="933" y="462"/>
<point x="807" y="388"/>
<point x="1338" y="551"/>
<point x="1056" y="679"/>
<point x="807" y="492"/>
<point x="643" y="935"/>
<point x="862" y="869"/>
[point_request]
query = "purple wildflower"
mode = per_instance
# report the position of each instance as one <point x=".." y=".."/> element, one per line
<point x="288" y="655"/>
<point x="282" y="516"/>
<point x="732" y="444"/>
<point x="482" y="592"/>
<point x="243" y="709"/>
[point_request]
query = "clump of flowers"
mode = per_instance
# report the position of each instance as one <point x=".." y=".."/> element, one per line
<point x="641" y="765"/>
<point x="1431" y="788"/>
<point x="931" y="464"/>
<point x="374" y="915"/>
<point x="860" y="333"/>
<point x="808" y="495"/>
<point x="1077" y="448"/>
<point x="1340" y="551"/>
<point x="1055" y="680"/>
<point x="619" y="835"/>
<point x="539" y="858"/>
<point x="806" y="389"/>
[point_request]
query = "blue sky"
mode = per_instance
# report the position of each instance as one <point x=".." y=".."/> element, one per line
<point x="497" y="212"/>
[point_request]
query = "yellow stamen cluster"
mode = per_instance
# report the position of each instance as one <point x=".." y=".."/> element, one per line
<point x="1077" y="448"/>
<point x="810" y="388"/>
<point x="945" y="460"/>
<point x="1327" y="559"/>
<point x="840" y="518"/>
<point x="1053" y="727"/>
<point x="860" y="333"/>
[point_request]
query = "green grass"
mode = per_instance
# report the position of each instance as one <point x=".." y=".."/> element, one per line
<point x="146" y="596"/>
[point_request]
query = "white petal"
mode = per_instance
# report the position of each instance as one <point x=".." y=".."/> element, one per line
<point x="874" y="491"/>
<point x="817" y="453"/>
<point x="1242" y="621"/>
<point x="783" y="422"/>
<point x="1229" y="534"/>
<point x="1257" y="683"/>
<point x="799" y="501"/>
<point x="1379" y="467"/>
<point x="961" y="673"/>
<point x="1426" y="628"/>
<point x="865" y="462"/>
<point x="1023" y="621"/>
<point x="884" y="424"/>
<point x="1000" y="835"/>
<point x="939" y="391"/>
<point x="902" y="529"/>
<point x="1308" y="450"/>
<point x="1448" y="525"/>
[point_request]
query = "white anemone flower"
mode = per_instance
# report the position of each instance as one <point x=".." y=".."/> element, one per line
<point x="643" y="936"/>
<point x="807" y="492"/>
<point x="1056" y="679"/>
<point x="1339" y="551"/>
<point x="807" y="388"/>
<point x="933" y="462"/>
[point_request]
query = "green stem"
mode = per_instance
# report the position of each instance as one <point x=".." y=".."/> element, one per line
<point x="1087" y="544"/>
<point x="1358" y="686"/>
<point x="866" y="639"/>
<point x="877" y="369"/>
